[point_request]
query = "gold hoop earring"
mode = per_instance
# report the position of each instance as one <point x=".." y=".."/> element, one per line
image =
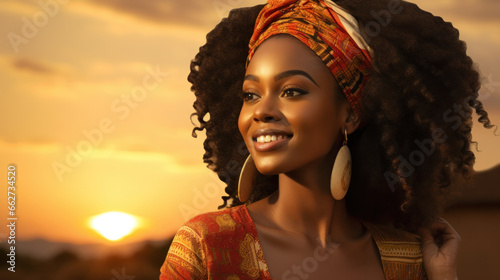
<point x="341" y="171"/>
<point x="247" y="179"/>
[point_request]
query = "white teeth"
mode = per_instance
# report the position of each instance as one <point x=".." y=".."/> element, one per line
<point x="270" y="138"/>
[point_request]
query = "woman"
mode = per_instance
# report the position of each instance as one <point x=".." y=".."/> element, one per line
<point x="313" y="84"/>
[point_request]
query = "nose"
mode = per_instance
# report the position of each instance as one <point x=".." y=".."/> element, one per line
<point x="267" y="110"/>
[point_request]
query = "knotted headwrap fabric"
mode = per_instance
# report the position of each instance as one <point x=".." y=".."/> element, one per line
<point x="325" y="28"/>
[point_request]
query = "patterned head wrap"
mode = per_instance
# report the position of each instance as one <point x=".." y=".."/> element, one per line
<point x="326" y="29"/>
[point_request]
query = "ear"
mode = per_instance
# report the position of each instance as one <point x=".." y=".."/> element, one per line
<point x="352" y="120"/>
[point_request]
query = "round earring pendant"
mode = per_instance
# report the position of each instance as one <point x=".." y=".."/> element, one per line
<point x="341" y="173"/>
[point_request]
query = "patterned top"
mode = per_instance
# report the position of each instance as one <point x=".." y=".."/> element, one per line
<point x="225" y="245"/>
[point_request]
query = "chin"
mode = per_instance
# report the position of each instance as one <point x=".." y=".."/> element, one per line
<point x="273" y="168"/>
<point x="268" y="170"/>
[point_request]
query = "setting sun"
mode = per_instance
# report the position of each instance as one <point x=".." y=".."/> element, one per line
<point x="113" y="225"/>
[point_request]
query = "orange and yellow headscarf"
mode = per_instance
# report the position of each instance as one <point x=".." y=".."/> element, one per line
<point x="326" y="29"/>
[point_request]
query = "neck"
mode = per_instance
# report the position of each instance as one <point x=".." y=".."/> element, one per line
<point x="304" y="205"/>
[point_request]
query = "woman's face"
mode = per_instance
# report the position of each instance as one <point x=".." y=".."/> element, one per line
<point x="293" y="112"/>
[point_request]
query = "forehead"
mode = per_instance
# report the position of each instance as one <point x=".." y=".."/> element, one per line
<point x="284" y="52"/>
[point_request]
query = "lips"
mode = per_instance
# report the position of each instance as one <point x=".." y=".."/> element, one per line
<point x="270" y="139"/>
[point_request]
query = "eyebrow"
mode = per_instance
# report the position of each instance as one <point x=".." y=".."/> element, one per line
<point x="284" y="75"/>
<point x="293" y="73"/>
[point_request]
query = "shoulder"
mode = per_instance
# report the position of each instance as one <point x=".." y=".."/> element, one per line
<point x="189" y="252"/>
<point x="217" y="229"/>
<point x="399" y="250"/>
<point x="226" y="221"/>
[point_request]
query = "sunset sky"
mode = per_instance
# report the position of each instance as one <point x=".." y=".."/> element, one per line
<point x="108" y="78"/>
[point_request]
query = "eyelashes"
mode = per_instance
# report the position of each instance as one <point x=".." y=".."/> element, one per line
<point x="287" y="92"/>
<point x="293" y="91"/>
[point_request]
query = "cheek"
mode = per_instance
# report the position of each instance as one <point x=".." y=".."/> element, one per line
<point x="317" y="125"/>
<point x="244" y="121"/>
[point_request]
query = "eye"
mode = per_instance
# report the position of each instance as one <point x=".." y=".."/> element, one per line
<point x="249" y="96"/>
<point x="293" y="92"/>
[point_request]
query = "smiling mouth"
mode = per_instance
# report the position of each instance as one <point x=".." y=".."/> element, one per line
<point x="271" y="138"/>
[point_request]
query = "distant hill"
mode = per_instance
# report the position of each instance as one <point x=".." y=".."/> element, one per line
<point x="42" y="259"/>
<point x="483" y="188"/>
<point x="44" y="249"/>
<point x="475" y="215"/>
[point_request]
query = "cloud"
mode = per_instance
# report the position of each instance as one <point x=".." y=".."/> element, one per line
<point x="191" y="12"/>
<point x="486" y="11"/>
<point x="31" y="65"/>
<point x="478" y="10"/>
<point x="18" y="7"/>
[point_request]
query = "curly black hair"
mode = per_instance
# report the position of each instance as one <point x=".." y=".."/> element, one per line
<point x="417" y="106"/>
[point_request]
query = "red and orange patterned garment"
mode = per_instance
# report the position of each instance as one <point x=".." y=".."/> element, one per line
<point x="225" y="245"/>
